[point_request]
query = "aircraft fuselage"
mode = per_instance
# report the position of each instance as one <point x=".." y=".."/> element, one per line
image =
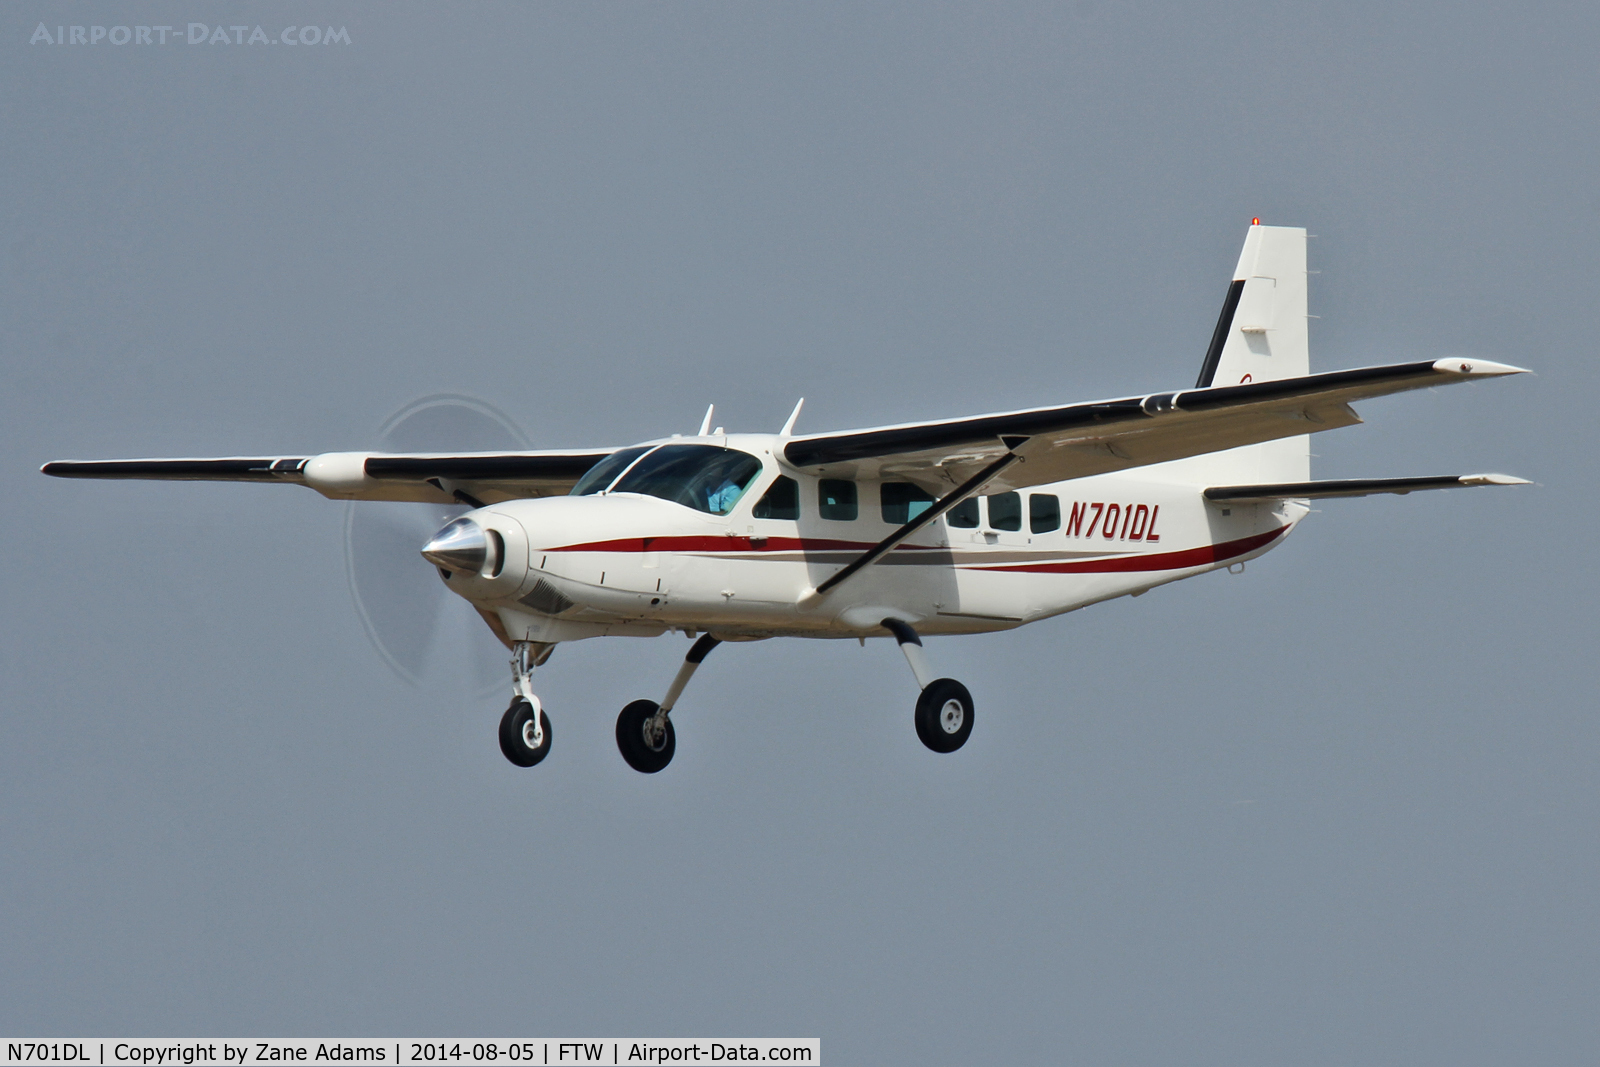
<point x="623" y="563"/>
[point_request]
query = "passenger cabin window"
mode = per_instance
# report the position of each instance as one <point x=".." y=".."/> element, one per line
<point x="836" y="499"/>
<point x="903" y="502"/>
<point x="703" y="477"/>
<point x="1044" y="512"/>
<point x="964" y="516"/>
<point x="1005" y="511"/>
<point x="605" y="472"/>
<point x="781" y="501"/>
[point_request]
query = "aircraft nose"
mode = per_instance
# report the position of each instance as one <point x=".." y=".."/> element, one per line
<point x="459" y="546"/>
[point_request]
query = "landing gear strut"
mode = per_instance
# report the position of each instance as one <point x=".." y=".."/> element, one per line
<point x="944" y="707"/>
<point x="644" y="733"/>
<point x="524" y="729"/>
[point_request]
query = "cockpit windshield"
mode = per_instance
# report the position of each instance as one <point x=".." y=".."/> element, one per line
<point x="703" y="477"/>
<point x="605" y="472"/>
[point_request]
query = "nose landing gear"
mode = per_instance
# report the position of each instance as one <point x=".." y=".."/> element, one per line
<point x="524" y="733"/>
<point x="944" y="707"/>
<point x="524" y="728"/>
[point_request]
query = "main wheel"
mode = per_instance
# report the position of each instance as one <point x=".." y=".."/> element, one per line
<point x="635" y="744"/>
<point x="944" y="715"/>
<point x="518" y="738"/>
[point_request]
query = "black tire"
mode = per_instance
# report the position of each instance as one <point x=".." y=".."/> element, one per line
<point x="631" y="740"/>
<point x="514" y="734"/>
<point x="944" y="715"/>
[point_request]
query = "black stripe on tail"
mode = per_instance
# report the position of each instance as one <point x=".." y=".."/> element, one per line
<point x="1208" y="369"/>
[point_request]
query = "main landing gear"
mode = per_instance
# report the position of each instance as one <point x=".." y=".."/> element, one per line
<point x="524" y="729"/>
<point x="944" y="707"/>
<point x="644" y="733"/>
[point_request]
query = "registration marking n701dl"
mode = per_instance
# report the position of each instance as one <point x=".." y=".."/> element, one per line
<point x="1121" y="522"/>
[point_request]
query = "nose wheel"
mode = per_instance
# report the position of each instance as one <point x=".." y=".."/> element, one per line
<point x="524" y="729"/>
<point x="524" y="734"/>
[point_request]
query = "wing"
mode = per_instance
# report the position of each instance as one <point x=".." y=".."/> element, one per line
<point x="431" y="477"/>
<point x="1078" y="440"/>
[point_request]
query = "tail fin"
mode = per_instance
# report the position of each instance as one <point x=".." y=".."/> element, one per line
<point x="1261" y="337"/>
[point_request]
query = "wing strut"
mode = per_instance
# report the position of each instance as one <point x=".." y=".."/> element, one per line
<point x="940" y="506"/>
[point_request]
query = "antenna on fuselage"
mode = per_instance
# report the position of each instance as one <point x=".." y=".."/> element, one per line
<point x="705" y="424"/>
<point x="788" y="427"/>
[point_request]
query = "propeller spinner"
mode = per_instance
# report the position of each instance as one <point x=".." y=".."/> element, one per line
<point x="460" y="546"/>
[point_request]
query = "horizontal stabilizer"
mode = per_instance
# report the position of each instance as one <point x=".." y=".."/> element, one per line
<point x="1247" y="494"/>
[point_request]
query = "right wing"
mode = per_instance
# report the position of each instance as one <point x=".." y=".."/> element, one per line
<point x="430" y="477"/>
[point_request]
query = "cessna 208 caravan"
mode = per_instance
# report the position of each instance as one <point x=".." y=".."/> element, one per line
<point x="958" y="526"/>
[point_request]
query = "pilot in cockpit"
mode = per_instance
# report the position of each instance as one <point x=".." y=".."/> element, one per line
<point x="720" y="501"/>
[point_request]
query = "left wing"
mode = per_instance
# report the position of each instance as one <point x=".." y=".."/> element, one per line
<point x="1059" y="443"/>
<point x="431" y="477"/>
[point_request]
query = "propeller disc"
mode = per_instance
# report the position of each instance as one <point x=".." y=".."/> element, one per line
<point x="420" y="629"/>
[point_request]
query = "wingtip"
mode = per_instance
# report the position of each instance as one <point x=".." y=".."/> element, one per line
<point x="1477" y="368"/>
<point x="1493" y="479"/>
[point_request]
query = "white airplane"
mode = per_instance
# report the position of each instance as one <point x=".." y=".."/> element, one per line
<point x="958" y="526"/>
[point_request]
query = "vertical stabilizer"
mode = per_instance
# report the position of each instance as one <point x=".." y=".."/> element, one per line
<point x="1261" y="336"/>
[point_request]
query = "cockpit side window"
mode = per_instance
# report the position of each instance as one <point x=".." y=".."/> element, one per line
<point x="605" y="472"/>
<point x="836" y="499"/>
<point x="703" y="477"/>
<point x="781" y="501"/>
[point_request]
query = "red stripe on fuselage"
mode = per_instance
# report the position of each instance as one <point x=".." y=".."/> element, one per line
<point x="1158" y="561"/>
<point x="727" y="543"/>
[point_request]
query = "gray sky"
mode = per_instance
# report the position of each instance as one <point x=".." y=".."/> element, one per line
<point x="1338" y="810"/>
